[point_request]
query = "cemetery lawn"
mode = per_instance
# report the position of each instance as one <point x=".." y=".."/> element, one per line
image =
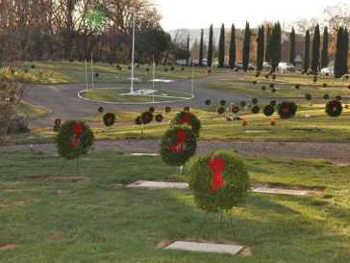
<point x="31" y="111"/>
<point x="56" y="215"/>
<point x="291" y="78"/>
<point x="311" y="125"/>
<point x="74" y="72"/>
<point x="282" y="91"/>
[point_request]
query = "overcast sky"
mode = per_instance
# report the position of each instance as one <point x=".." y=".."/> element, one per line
<point x="195" y="14"/>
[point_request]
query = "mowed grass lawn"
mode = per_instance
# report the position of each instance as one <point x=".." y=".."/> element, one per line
<point x="310" y="124"/>
<point x="74" y="72"/>
<point x="284" y="86"/>
<point x="52" y="217"/>
<point x="292" y="78"/>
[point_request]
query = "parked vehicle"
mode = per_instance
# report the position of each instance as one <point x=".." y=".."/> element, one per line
<point x="328" y="71"/>
<point x="285" y="67"/>
<point x="267" y="66"/>
<point x="239" y="66"/>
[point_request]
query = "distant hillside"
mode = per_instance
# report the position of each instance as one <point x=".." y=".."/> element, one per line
<point x="195" y="34"/>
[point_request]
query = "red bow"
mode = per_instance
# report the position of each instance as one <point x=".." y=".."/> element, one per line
<point x="77" y="131"/>
<point x="334" y="106"/>
<point x="186" y="118"/>
<point x="180" y="142"/>
<point x="217" y="166"/>
<point x="286" y="108"/>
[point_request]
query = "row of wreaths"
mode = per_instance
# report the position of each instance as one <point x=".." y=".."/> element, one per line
<point x="285" y="110"/>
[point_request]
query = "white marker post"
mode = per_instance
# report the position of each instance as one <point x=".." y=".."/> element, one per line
<point x="86" y="75"/>
<point x="92" y="73"/>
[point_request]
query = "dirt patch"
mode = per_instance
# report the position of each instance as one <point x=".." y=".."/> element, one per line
<point x="246" y="252"/>
<point x="3" y="204"/>
<point x="55" y="236"/>
<point x="5" y="246"/>
<point x="164" y="243"/>
<point x="7" y="203"/>
<point x="59" y="178"/>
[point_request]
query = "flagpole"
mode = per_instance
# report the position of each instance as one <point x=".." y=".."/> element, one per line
<point x="133" y="55"/>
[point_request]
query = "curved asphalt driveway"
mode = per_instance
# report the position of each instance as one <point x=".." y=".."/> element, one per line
<point x="63" y="101"/>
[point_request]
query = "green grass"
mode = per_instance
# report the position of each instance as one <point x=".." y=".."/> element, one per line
<point x="96" y="220"/>
<point x="282" y="91"/>
<point x="293" y="78"/>
<point x="114" y="95"/>
<point x="31" y="111"/>
<point x="74" y="72"/>
<point x="311" y="124"/>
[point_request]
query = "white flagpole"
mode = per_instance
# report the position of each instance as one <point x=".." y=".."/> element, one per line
<point x="192" y="81"/>
<point x="132" y="55"/>
<point x="154" y="76"/>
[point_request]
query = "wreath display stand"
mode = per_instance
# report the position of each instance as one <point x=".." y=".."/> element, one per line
<point x="219" y="182"/>
<point x="75" y="138"/>
<point x="177" y="146"/>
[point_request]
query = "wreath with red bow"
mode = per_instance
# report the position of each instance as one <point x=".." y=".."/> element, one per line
<point x="109" y="119"/>
<point x="269" y="110"/>
<point x="334" y="108"/>
<point x="178" y="145"/>
<point x="287" y="110"/>
<point x="75" y="138"/>
<point x="188" y="118"/>
<point x="219" y="180"/>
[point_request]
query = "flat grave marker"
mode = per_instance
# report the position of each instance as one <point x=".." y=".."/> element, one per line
<point x="205" y="247"/>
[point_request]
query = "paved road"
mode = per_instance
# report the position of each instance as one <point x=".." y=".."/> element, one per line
<point x="63" y="100"/>
<point x="334" y="152"/>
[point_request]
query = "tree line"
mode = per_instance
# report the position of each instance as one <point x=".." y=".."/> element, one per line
<point x="269" y="48"/>
<point x="77" y="29"/>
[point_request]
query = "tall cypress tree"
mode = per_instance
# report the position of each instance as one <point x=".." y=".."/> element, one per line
<point x="210" y="46"/>
<point x="233" y="47"/>
<point x="201" y="49"/>
<point x="307" y="51"/>
<point x="292" y="52"/>
<point x="246" y="47"/>
<point x="188" y="50"/>
<point x="316" y="43"/>
<point x="324" y="57"/>
<point x="339" y="60"/>
<point x="268" y="44"/>
<point x="222" y="47"/>
<point x="276" y="46"/>
<point x="261" y="47"/>
<point x="346" y="51"/>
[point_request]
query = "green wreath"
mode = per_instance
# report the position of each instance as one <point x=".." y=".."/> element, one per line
<point x="308" y="96"/>
<point x="219" y="180"/>
<point x="221" y="110"/>
<point x="109" y="119"/>
<point x="187" y="118"/>
<point x="269" y="110"/>
<point x="256" y="109"/>
<point x="287" y="110"/>
<point x="235" y="109"/>
<point x="74" y="139"/>
<point x="334" y="108"/>
<point x="147" y="117"/>
<point x="178" y="145"/>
